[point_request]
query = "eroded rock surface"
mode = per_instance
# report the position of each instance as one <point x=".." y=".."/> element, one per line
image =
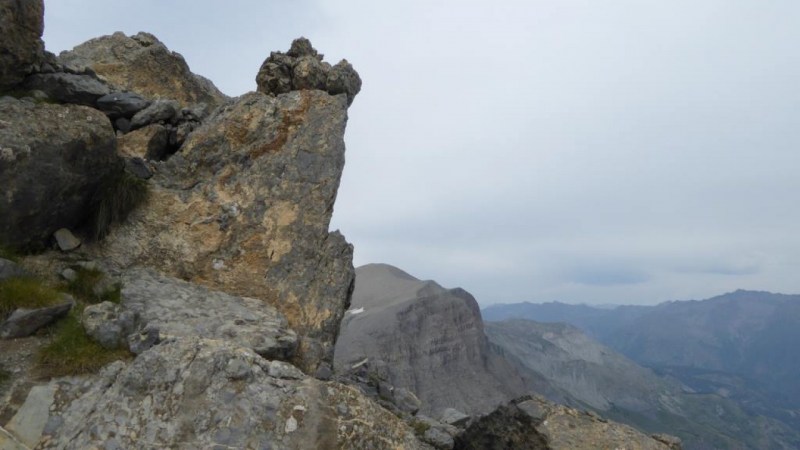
<point x="142" y="64"/>
<point x="52" y="158"/>
<point x="190" y="393"/>
<point x="244" y="207"/>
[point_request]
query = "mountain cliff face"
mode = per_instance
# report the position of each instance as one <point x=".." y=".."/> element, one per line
<point x="429" y="338"/>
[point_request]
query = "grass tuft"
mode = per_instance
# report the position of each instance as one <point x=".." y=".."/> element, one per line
<point x="83" y="287"/>
<point x="25" y="293"/>
<point x="72" y="352"/>
<point x="419" y="427"/>
<point x="115" y="198"/>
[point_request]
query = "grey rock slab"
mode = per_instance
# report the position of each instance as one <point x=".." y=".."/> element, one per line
<point x="193" y="393"/>
<point x="65" y="240"/>
<point x="161" y="110"/>
<point x="179" y="308"/>
<point x="24" y="322"/>
<point x="122" y="105"/>
<point x="452" y="416"/>
<point x="10" y="269"/>
<point x="280" y="369"/>
<point x="29" y="422"/>
<point x="9" y="442"/>
<point x="68" y="88"/>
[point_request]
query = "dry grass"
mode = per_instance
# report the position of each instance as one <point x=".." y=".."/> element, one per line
<point x="115" y="198"/>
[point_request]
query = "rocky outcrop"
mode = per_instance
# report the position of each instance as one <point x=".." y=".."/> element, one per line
<point x="142" y="64"/>
<point x="52" y="158"/>
<point x="532" y="423"/>
<point x="427" y="339"/>
<point x="21" y="47"/>
<point x="190" y="393"/>
<point x="302" y="68"/>
<point x="244" y="207"/>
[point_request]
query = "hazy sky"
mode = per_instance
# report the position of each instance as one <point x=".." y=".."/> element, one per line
<point x="582" y="151"/>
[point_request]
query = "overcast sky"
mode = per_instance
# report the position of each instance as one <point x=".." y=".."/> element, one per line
<point x="582" y="151"/>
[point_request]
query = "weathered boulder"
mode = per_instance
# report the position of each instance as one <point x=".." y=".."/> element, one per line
<point x="200" y="393"/>
<point x="24" y="322"/>
<point x="65" y="240"/>
<point x="430" y="340"/>
<point x="244" y="207"/>
<point x="142" y="64"/>
<point x="108" y="324"/>
<point x="52" y="158"/>
<point x="178" y="308"/>
<point x="21" y="47"/>
<point x="68" y="88"/>
<point x="302" y="68"/>
<point x="532" y="423"/>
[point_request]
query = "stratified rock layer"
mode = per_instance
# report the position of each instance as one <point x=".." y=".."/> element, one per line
<point x="21" y="46"/>
<point x="244" y="207"/>
<point x="190" y="394"/>
<point x="142" y="64"/>
<point x="429" y="339"/>
<point x="52" y="158"/>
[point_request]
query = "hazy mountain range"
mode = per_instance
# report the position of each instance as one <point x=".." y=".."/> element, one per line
<point x="739" y="346"/>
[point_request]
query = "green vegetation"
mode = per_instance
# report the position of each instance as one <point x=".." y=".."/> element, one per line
<point x="9" y="254"/>
<point x="419" y="427"/>
<point x="25" y="293"/>
<point x="115" y="198"/>
<point x="72" y="352"/>
<point x="84" y="287"/>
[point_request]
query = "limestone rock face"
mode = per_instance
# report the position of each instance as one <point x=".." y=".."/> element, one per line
<point x="142" y="64"/>
<point x="189" y="394"/>
<point x="52" y="158"/>
<point x="244" y="207"/>
<point x="21" y="47"/>
<point x="429" y="339"/>
<point x="532" y="423"/>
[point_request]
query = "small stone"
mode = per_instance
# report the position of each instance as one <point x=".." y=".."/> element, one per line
<point x="121" y="104"/>
<point x="438" y="438"/>
<point x="138" y="167"/>
<point x="144" y="339"/>
<point x="66" y="240"/>
<point x="69" y="274"/>
<point x="280" y="369"/>
<point x="159" y="111"/>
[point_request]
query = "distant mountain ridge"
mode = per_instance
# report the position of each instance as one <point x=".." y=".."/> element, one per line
<point x="741" y="345"/>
